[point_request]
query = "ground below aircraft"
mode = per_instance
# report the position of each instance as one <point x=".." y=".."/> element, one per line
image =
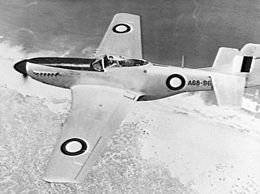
<point x="104" y="88"/>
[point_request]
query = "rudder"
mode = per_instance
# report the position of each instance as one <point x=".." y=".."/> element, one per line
<point x="252" y="51"/>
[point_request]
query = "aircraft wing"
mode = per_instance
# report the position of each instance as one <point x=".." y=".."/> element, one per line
<point x="123" y="37"/>
<point x="96" y="113"/>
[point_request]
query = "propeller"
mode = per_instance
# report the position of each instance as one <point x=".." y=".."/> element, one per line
<point x="25" y="78"/>
<point x="21" y="68"/>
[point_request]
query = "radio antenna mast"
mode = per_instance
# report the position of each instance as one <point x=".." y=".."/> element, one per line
<point x="182" y="61"/>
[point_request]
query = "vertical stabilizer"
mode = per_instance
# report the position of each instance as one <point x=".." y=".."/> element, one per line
<point x="233" y="70"/>
<point x="250" y="49"/>
<point x="230" y="60"/>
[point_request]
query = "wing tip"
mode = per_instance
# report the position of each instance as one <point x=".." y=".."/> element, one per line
<point x="126" y="14"/>
<point x="59" y="180"/>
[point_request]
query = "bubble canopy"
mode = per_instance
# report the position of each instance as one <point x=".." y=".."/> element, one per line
<point x="119" y="61"/>
<point x="112" y="61"/>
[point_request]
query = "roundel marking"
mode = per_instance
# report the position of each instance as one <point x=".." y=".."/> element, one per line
<point x="74" y="147"/>
<point x="121" y="28"/>
<point x="175" y="82"/>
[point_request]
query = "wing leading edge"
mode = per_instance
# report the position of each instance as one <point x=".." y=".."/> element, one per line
<point x="123" y="37"/>
<point x="95" y="115"/>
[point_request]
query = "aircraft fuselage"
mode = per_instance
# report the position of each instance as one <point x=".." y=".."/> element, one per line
<point x="152" y="80"/>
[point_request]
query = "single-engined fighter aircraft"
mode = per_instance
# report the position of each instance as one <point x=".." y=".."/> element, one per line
<point x="103" y="89"/>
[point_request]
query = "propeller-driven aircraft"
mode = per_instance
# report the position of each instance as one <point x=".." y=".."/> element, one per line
<point x="104" y="87"/>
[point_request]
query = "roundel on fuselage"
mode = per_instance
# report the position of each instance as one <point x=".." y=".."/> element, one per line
<point x="175" y="82"/>
<point x="74" y="147"/>
<point x="121" y="28"/>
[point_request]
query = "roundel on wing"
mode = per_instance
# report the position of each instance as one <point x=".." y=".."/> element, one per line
<point x="175" y="82"/>
<point x="74" y="147"/>
<point x="121" y="28"/>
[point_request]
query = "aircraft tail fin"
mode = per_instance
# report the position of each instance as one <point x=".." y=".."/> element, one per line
<point x="252" y="51"/>
<point x="230" y="60"/>
<point x="245" y="61"/>
<point x="233" y="70"/>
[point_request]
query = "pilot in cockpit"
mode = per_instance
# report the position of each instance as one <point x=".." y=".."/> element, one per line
<point x="112" y="62"/>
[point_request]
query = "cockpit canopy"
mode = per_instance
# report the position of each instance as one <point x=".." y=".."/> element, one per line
<point x="114" y="61"/>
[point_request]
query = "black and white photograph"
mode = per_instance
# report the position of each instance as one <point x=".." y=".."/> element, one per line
<point x="130" y="96"/>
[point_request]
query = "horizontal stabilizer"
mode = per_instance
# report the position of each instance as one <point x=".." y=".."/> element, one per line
<point x="229" y="89"/>
<point x="224" y="59"/>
